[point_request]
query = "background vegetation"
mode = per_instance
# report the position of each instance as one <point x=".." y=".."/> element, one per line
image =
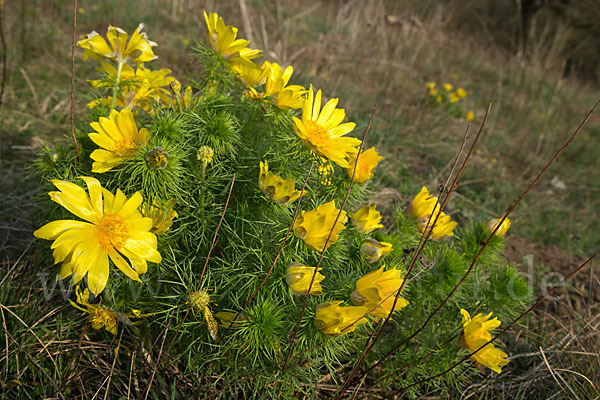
<point x="545" y="73"/>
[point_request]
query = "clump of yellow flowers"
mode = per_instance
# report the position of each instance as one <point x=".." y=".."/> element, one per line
<point x="245" y="193"/>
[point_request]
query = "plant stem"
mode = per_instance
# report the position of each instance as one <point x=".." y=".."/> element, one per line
<point x="116" y="85"/>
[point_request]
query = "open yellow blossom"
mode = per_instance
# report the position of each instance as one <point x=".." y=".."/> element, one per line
<point x="447" y="87"/>
<point x="422" y="207"/>
<point x="222" y="38"/>
<point x="372" y="250"/>
<point x="251" y="74"/>
<point x="114" y="229"/>
<point x="430" y="85"/>
<point x="470" y="116"/>
<point x="100" y="317"/>
<point x="461" y="93"/>
<point x="476" y="332"/>
<point x="331" y="318"/>
<point x="374" y="287"/>
<point x="138" y="49"/>
<point x="367" y="162"/>
<point x="494" y="223"/>
<point x="285" y="97"/>
<point x="453" y="98"/>
<point x="162" y="217"/>
<point x="314" y="226"/>
<point x="118" y="137"/>
<point x="366" y="219"/>
<point x="281" y="191"/>
<point x="322" y="131"/>
<point x="298" y="277"/>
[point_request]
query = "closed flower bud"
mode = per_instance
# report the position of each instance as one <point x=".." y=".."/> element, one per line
<point x="366" y="219"/>
<point x="157" y="158"/>
<point x="299" y="276"/>
<point x="314" y="226"/>
<point x="373" y="250"/>
<point x="494" y="223"/>
<point x="333" y="320"/>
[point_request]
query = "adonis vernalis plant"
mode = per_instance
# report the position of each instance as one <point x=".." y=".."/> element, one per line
<point x="219" y="214"/>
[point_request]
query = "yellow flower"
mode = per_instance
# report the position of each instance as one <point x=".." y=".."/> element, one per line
<point x="366" y="219"/>
<point x="138" y="49"/>
<point x="476" y="332"/>
<point x="367" y="162"/>
<point x="298" y="277"/>
<point x="325" y="171"/>
<point x="162" y="217"/>
<point x="281" y="191"/>
<point x="286" y="97"/>
<point x="430" y="85"/>
<point x="433" y="92"/>
<point x="494" y="223"/>
<point x="470" y="116"/>
<point x="438" y="98"/>
<point x="322" y="132"/>
<point x="453" y="98"/>
<point x="100" y="317"/>
<point x="139" y="90"/>
<point x="422" y="206"/>
<point x="222" y="38"/>
<point x="461" y="93"/>
<point x="374" y="287"/>
<point x="115" y="229"/>
<point x="205" y="155"/>
<point x="250" y="73"/>
<point x="330" y="318"/>
<point x="373" y="250"/>
<point x="118" y="137"/>
<point x="314" y="226"/>
<point x="447" y="87"/>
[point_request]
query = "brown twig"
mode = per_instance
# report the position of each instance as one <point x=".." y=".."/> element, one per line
<point x="278" y="253"/>
<point x="293" y="341"/>
<point x="3" y="55"/>
<point x="73" y="83"/>
<point x="540" y="299"/>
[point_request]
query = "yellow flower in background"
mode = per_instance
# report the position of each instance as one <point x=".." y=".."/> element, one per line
<point x="374" y="287"/>
<point x="222" y="38"/>
<point x="162" y="217"/>
<point x="476" y="332"/>
<point x="314" y="226"/>
<point x="286" y="97"/>
<point x="114" y="229"/>
<point x="322" y="130"/>
<point x="453" y="98"/>
<point x="430" y="85"/>
<point x="423" y="205"/>
<point x="330" y="318"/>
<point x="100" y="317"/>
<point x="433" y="92"/>
<point x="494" y="223"/>
<point x="372" y="250"/>
<point x="366" y="219"/>
<point x="438" y="98"/>
<point x="447" y="87"/>
<point x="470" y="116"/>
<point x="281" y="191"/>
<point x="325" y="171"/>
<point x="298" y="277"/>
<point x="367" y="162"/>
<point x="118" y="138"/>
<point x="461" y="93"/>
<point x="120" y="48"/>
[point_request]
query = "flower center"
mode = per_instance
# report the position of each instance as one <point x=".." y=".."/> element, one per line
<point x="112" y="232"/>
<point x="317" y="135"/>
<point x="124" y="147"/>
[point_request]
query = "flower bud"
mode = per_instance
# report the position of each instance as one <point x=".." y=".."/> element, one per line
<point x="157" y="158"/>
<point x="373" y="250"/>
<point x="494" y="223"/>
<point x="299" y="276"/>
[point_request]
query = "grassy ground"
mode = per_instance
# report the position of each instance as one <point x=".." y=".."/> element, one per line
<point x="361" y="52"/>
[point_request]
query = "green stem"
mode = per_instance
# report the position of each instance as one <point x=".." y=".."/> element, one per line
<point x="116" y="85"/>
<point x="202" y="174"/>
